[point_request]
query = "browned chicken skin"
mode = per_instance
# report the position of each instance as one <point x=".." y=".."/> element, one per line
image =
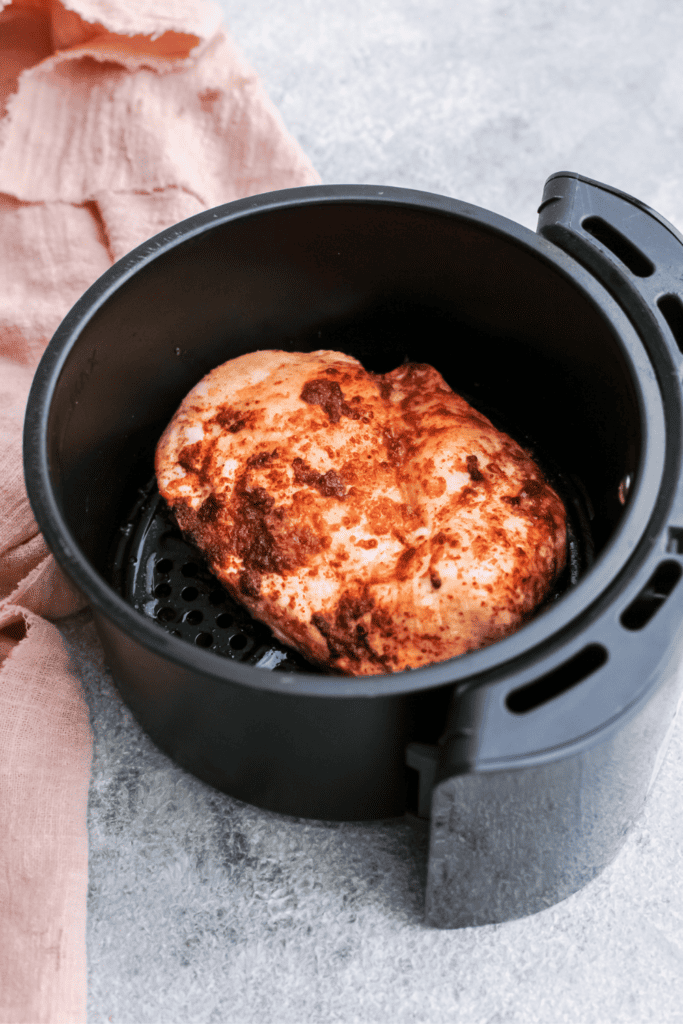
<point x="374" y="522"/>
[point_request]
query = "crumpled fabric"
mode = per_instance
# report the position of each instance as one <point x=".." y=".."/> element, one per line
<point x="118" y="118"/>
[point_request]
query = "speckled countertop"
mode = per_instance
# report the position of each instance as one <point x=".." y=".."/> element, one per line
<point x="204" y="909"/>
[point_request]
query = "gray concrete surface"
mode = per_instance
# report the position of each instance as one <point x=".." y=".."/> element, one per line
<point x="203" y="909"/>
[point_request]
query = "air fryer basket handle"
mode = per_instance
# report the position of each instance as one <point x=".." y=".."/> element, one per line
<point x="512" y="835"/>
<point x="638" y="256"/>
<point x="633" y="251"/>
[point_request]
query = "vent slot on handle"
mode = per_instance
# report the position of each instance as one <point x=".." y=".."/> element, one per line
<point x="561" y="679"/>
<point x="620" y="246"/>
<point x="671" y="308"/>
<point x="652" y="596"/>
<point x="674" y="544"/>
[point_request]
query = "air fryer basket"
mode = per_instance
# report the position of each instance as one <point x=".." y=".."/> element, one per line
<point x="531" y="757"/>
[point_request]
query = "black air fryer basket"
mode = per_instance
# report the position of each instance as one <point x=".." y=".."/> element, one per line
<point x="532" y="757"/>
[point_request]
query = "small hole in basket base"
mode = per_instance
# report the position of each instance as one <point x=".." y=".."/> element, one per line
<point x="203" y="640"/>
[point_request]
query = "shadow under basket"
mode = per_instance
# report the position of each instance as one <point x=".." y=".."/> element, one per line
<point x="530" y="758"/>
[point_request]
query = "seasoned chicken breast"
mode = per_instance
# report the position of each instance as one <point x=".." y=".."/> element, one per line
<point x="374" y="522"/>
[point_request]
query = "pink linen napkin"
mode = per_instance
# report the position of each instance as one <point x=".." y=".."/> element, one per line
<point x="117" y="119"/>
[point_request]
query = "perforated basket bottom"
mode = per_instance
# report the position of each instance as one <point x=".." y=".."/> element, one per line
<point x="165" y="578"/>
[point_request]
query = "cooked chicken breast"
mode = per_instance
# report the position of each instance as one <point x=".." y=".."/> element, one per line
<point x="374" y="522"/>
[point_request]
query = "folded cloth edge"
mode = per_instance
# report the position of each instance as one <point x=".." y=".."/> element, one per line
<point x="201" y="18"/>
